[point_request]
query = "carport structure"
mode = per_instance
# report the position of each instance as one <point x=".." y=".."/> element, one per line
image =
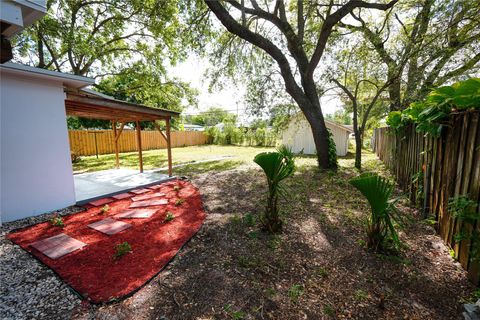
<point x="93" y="105"/>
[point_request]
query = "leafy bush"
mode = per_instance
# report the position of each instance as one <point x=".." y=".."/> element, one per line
<point x="464" y="209"/>
<point x="74" y="157"/>
<point x="429" y="114"/>
<point x="169" y="217"/>
<point x="57" y="222"/>
<point x="231" y="135"/>
<point x="122" y="249"/>
<point x="277" y="167"/>
<point x="332" y="151"/>
<point x="380" y="224"/>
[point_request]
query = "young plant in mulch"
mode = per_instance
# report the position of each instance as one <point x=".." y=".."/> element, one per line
<point x="104" y="209"/>
<point x="179" y="202"/>
<point x="169" y="217"/>
<point x="177" y="188"/>
<point x="277" y="166"/>
<point x="57" y="222"/>
<point x="381" y="233"/>
<point x="122" y="249"/>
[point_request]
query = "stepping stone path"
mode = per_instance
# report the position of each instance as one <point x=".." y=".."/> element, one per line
<point x="136" y="213"/>
<point x="148" y="203"/>
<point x="122" y="196"/>
<point x="100" y="202"/>
<point x="140" y="191"/>
<point x="58" y="246"/>
<point x="109" y="226"/>
<point x="148" y="196"/>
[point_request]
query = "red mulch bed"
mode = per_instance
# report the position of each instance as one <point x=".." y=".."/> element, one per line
<point x="93" y="271"/>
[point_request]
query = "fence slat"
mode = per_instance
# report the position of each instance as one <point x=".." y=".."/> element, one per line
<point x="82" y="142"/>
<point x="451" y="167"/>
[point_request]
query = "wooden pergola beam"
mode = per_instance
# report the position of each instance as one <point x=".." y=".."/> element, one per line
<point x="116" y="136"/>
<point x="139" y="144"/>
<point x="168" y="140"/>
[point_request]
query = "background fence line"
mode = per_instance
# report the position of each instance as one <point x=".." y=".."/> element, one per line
<point x="82" y="142"/>
<point x="432" y="170"/>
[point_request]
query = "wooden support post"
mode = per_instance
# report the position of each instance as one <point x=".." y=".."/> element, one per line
<point x="139" y="144"/>
<point x="169" y="147"/>
<point x="115" y="141"/>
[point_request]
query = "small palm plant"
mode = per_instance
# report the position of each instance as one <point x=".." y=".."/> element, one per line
<point x="277" y="167"/>
<point x="380" y="224"/>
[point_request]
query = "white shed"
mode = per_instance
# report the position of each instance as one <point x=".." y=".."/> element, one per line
<point x="299" y="137"/>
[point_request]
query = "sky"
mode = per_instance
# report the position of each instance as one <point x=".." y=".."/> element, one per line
<point x="231" y="98"/>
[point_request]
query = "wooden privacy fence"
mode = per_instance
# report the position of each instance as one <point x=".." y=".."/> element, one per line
<point x="87" y="142"/>
<point x="433" y="170"/>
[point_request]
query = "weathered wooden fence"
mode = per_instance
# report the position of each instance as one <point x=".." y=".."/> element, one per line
<point x="433" y="170"/>
<point x="86" y="142"/>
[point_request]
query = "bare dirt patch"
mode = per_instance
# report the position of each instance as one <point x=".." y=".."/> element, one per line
<point x="316" y="269"/>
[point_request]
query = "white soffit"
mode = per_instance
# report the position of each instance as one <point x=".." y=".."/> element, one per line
<point x="20" y="14"/>
<point x="68" y="80"/>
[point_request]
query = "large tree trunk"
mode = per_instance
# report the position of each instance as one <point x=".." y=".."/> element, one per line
<point x="358" y="139"/>
<point x="320" y="137"/>
<point x="394" y="91"/>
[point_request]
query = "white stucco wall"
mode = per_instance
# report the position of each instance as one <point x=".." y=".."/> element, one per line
<point x="299" y="137"/>
<point x="35" y="167"/>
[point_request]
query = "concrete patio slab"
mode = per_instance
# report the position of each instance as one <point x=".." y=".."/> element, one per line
<point x="109" y="226"/>
<point x="58" y="246"/>
<point x="95" y="185"/>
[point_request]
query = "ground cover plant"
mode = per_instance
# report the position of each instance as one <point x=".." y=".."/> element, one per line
<point x="277" y="166"/>
<point x="384" y="214"/>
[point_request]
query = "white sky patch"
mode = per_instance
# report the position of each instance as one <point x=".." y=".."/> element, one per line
<point x="231" y="98"/>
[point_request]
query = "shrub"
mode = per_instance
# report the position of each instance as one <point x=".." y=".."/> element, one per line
<point x="74" y="157"/>
<point x="429" y="113"/>
<point x="122" y="249"/>
<point x="380" y="224"/>
<point x="464" y="209"/>
<point x="169" y="217"/>
<point x="57" y="221"/>
<point x="277" y="166"/>
<point x="105" y="209"/>
<point x="332" y="151"/>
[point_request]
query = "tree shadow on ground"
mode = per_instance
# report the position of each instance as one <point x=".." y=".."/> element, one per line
<point x="316" y="268"/>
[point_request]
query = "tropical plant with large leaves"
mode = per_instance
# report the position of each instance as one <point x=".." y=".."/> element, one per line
<point x="384" y="215"/>
<point x="277" y="166"/>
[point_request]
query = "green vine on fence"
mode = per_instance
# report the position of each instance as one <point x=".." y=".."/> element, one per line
<point x="429" y="113"/>
<point x="464" y="209"/>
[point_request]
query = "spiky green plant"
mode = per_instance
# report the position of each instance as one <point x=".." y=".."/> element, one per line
<point x="277" y="167"/>
<point x="384" y="215"/>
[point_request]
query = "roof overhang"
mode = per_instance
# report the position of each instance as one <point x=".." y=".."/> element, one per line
<point x="19" y="14"/>
<point x="87" y="104"/>
<point x="68" y="80"/>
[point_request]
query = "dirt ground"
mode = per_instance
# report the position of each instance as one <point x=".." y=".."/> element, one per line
<point x="317" y="268"/>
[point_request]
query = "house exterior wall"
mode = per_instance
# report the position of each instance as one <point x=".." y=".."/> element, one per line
<point x="35" y="166"/>
<point x="299" y="137"/>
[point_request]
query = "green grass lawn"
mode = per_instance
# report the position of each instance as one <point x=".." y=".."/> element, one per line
<point x="153" y="159"/>
<point x="190" y="159"/>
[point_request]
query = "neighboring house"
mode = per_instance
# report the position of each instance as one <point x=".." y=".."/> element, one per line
<point x="299" y="137"/>
<point x="193" y="127"/>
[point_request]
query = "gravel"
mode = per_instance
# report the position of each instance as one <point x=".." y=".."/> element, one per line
<point x="28" y="289"/>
